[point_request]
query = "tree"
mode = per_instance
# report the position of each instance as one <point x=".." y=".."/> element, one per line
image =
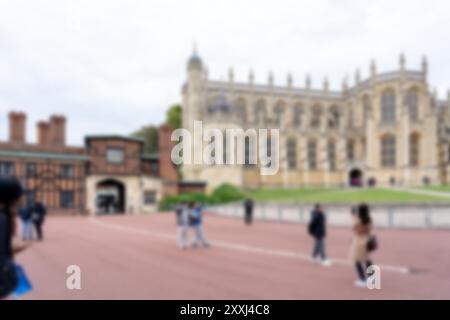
<point x="174" y="116"/>
<point x="150" y="136"/>
<point x="150" y="133"/>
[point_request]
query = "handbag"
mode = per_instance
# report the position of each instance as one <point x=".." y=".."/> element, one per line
<point x="24" y="285"/>
<point x="372" y="243"/>
<point x="8" y="278"/>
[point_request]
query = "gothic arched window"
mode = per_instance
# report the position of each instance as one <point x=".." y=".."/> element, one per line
<point x="388" y="106"/>
<point x="312" y="155"/>
<point x="260" y="112"/>
<point x="316" y="115"/>
<point x="297" y="119"/>
<point x="367" y="108"/>
<point x="250" y="152"/>
<point x="412" y="103"/>
<point x="291" y="150"/>
<point x="334" y="118"/>
<point x="278" y="112"/>
<point x="331" y="155"/>
<point x="414" y="150"/>
<point x="240" y="109"/>
<point x="388" y="151"/>
<point x="351" y="115"/>
<point x="350" y="150"/>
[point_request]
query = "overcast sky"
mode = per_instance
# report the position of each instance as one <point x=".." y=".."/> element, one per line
<point x="114" y="66"/>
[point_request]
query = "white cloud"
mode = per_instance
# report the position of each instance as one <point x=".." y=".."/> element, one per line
<point x="112" y="66"/>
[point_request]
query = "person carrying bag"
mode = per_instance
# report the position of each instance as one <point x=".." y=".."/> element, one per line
<point x="10" y="194"/>
<point x="8" y="275"/>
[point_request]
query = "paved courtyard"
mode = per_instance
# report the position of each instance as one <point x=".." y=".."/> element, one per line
<point x="136" y="257"/>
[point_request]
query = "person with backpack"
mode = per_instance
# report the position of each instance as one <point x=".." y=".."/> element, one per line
<point x="27" y="223"/>
<point x="10" y="194"/>
<point x="182" y="217"/>
<point x="196" y="222"/>
<point x="318" y="231"/>
<point x="38" y="216"/>
<point x="363" y="243"/>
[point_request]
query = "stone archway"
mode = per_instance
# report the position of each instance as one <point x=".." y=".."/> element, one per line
<point x="110" y="197"/>
<point x="356" y="178"/>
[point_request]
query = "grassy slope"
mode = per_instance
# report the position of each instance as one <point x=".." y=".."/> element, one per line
<point x="342" y="196"/>
<point x="445" y="188"/>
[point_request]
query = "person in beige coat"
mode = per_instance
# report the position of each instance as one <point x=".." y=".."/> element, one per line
<point x="359" y="253"/>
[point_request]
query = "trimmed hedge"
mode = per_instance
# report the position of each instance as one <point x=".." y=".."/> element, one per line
<point x="223" y="194"/>
<point x="227" y="193"/>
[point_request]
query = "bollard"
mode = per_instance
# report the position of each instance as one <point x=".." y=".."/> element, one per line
<point x="428" y="218"/>
<point x="302" y="215"/>
<point x="390" y="217"/>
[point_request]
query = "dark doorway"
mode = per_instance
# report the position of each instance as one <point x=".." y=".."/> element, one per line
<point x="356" y="178"/>
<point x="110" y="197"/>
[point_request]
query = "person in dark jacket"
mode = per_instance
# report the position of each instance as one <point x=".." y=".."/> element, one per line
<point x="196" y="222"/>
<point x="318" y="230"/>
<point x="248" y="207"/>
<point x="359" y="251"/>
<point x="38" y="216"/>
<point x="27" y="223"/>
<point x="10" y="194"/>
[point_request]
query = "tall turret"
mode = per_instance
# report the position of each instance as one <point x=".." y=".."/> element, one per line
<point x="192" y="103"/>
<point x="194" y="67"/>
<point x="308" y="82"/>
<point x="402" y="62"/>
<point x="357" y="77"/>
<point x="373" y="69"/>
<point x="424" y="67"/>
<point x="289" y="80"/>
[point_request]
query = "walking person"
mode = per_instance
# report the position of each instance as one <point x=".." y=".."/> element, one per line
<point x="182" y="218"/>
<point x="362" y="243"/>
<point x="27" y="223"/>
<point x="10" y="194"/>
<point x="196" y="222"/>
<point x="38" y="216"/>
<point x="318" y="230"/>
<point x="249" y="205"/>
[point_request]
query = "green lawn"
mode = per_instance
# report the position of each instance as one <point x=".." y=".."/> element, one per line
<point x="444" y="188"/>
<point x="342" y="196"/>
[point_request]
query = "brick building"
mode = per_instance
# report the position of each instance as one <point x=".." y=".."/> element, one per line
<point x="108" y="174"/>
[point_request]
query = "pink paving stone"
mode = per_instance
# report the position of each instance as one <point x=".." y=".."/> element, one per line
<point x="136" y="257"/>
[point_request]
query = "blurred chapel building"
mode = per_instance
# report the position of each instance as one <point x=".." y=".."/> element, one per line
<point x="386" y="129"/>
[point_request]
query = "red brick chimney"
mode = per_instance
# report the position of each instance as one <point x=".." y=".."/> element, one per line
<point x="57" y="131"/>
<point x="43" y="131"/>
<point x="167" y="169"/>
<point x="17" y="127"/>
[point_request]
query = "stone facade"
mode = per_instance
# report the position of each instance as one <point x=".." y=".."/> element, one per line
<point x="388" y="129"/>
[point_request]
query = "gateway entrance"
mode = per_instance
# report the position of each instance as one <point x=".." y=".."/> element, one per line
<point x="110" y="197"/>
<point x="356" y="178"/>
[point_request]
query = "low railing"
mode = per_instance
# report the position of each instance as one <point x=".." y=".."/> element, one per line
<point x="384" y="216"/>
